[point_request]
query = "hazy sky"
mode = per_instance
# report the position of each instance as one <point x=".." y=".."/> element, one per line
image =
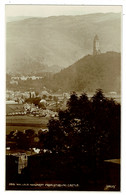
<point x="48" y="10"/>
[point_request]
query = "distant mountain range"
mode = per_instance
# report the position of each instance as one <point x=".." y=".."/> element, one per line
<point x="90" y="73"/>
<point x="18" y="18"/>
<point x="53" y="43"/>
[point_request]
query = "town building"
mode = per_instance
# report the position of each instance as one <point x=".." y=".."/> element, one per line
<point x="12" y="82"/>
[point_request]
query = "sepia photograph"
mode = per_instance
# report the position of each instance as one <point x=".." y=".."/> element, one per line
<point x="63" y="97"/>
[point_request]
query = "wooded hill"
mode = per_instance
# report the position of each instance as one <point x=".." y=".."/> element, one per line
<point x="89" y="73"/>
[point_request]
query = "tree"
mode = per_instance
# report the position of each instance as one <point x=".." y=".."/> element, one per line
<point x="50" y="97"/>
<point x="23" y="140"/>
<point x="36" y="93"/>
<point x="35" y="101"/>
<point x="44" y="96"/>
<point x="106" y="121"/>
<point x="88" y="126"/>
<point x="73" y="104"/>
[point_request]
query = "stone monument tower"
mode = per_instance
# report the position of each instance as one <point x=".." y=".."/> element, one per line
<point x="96" y="46"/>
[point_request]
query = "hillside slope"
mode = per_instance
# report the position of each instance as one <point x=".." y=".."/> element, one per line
<point x="35" y="43"/>
<point x="90" y="73"/>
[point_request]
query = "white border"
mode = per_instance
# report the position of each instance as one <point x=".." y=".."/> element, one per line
<point x="2" y="84"/>
<point x="123" y="113"/>
<point x="66" y="2"/>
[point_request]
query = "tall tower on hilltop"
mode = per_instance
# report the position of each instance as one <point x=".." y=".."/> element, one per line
<point x="96" y="46"/>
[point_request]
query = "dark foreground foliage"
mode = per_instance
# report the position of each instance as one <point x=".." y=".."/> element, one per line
<point x="88" y="127"/>
<point x="83" y="136"/>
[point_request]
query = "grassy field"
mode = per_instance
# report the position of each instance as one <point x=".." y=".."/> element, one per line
<point x="25" y="122"/>
<point x="26" y="119"/>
